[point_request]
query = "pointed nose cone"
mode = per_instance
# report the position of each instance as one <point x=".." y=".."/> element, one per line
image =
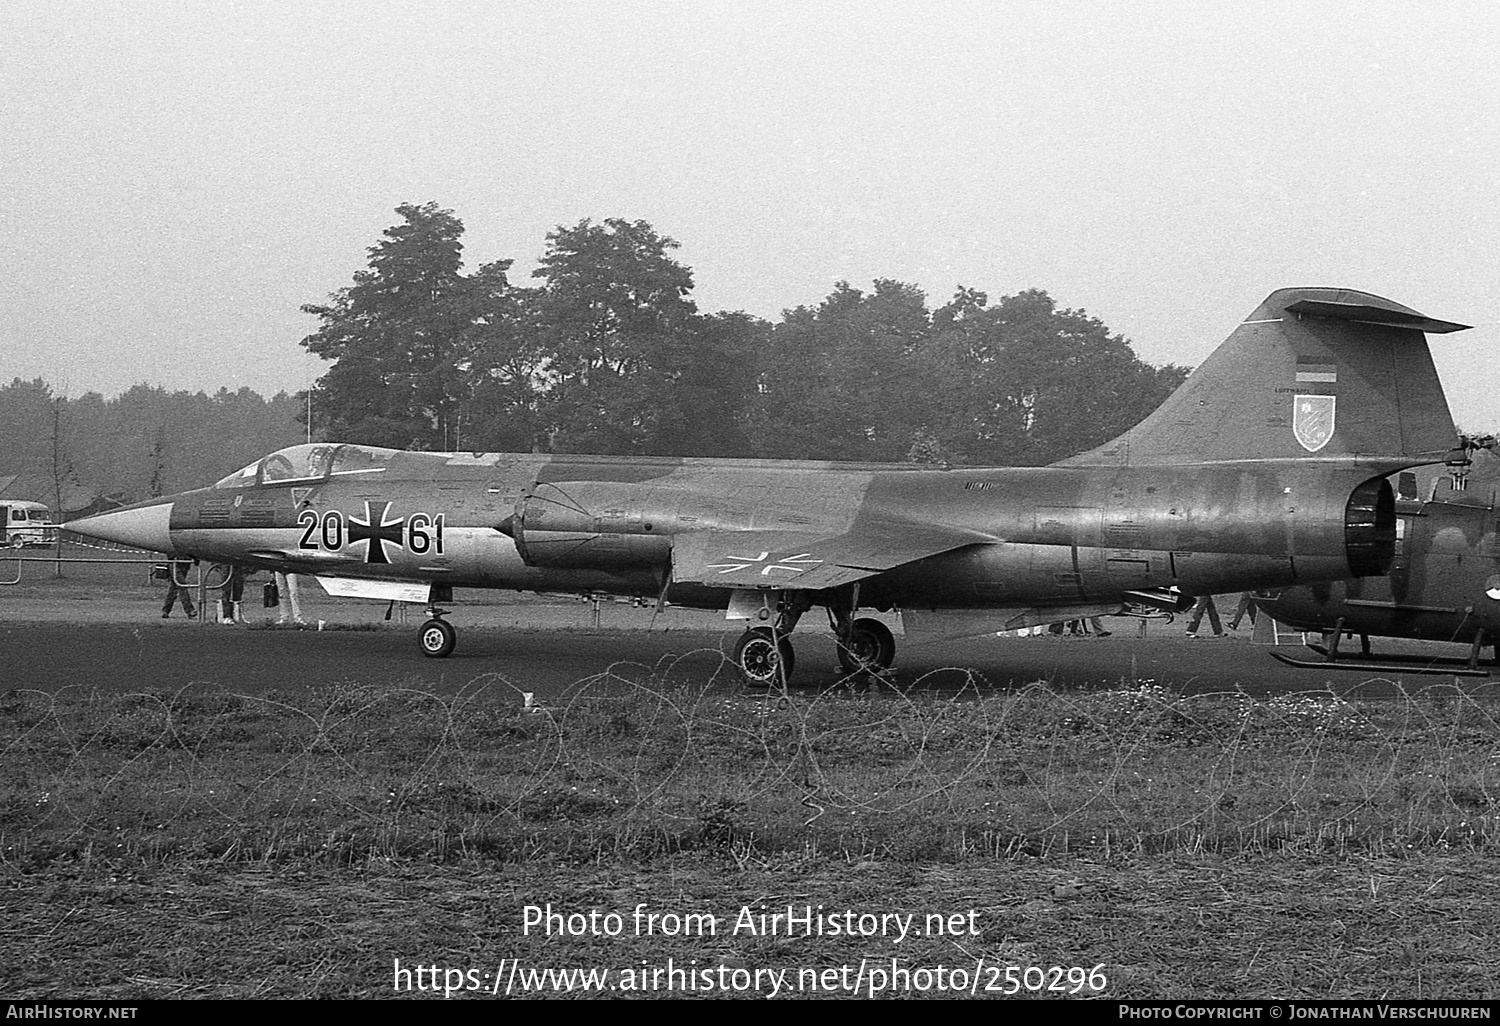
<point x="143" y="527"/>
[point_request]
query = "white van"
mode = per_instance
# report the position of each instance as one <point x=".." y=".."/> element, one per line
<point x="25" y="523"/>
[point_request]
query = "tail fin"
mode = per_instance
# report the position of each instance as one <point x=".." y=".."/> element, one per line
<point x="1325" y="372"/>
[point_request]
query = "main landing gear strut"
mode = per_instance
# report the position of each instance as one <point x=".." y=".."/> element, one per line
<point x="764" y="653"/>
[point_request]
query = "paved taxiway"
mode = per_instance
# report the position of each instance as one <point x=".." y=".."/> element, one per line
<point x="98" y="626"/>
<point x="169" y="655"/>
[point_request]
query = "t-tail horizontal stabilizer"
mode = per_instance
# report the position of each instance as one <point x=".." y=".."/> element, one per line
<point x="1318" y="373"/>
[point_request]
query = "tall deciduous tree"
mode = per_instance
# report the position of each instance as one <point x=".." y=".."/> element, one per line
<point x="509" y="364"/>
<point x="838" y="381"/>
<point x="398" y="338"/>
<point x="1030" y="384"/>
<point x="710" y="369"/>
<point x="875" y="377"/>
<point x="614" y="306"/>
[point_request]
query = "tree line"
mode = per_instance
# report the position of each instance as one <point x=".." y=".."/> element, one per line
<point x="73" y="452"/>
<point x="606" y="352"/>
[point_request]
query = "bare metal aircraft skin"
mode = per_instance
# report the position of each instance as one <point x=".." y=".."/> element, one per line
<point x="1444" y="581"/>
<point x="1266" y="468"/>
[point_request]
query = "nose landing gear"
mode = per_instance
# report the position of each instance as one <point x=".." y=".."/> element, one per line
<point x="437" y="636"/>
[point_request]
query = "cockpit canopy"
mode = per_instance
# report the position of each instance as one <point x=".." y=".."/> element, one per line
<point x="315" y="462"/>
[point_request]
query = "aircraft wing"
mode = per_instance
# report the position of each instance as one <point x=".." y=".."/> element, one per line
<point x="806" y="560"/>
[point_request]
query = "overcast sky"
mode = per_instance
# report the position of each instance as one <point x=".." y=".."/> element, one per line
<point x="179" y="178"/>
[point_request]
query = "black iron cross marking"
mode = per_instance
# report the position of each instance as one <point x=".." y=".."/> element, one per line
<point x="376" y="530"/>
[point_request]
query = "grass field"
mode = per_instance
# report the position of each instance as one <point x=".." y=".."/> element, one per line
<point x="203" y="843"/>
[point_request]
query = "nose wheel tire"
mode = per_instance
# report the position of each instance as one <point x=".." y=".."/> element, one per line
<point x="764" y="661"/>
<point x="437" y="638"/>
<point x="869" y="648"/>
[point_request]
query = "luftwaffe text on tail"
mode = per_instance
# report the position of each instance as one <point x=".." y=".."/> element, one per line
<point x="1267" y="468"/>
<point x="1444" y="583"/>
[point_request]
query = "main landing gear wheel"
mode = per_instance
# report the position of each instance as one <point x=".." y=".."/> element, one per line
<point x="869" y="648"/>
<point x="437" y="638"/>
<point x="763" y="660"/>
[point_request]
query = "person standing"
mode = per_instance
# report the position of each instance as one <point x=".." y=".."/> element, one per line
<point x="231" y="592"/>
<point x="1205" y="604"/>
<point x="286" y="588"/>
<point x="178" y="592"/>
<point x="1246" y="607"/>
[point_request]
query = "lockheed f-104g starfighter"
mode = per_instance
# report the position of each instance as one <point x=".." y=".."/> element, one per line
<point x="1267" y="467"/>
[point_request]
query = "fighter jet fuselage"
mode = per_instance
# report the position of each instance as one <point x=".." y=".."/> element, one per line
<point x="1050" y="536"/>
